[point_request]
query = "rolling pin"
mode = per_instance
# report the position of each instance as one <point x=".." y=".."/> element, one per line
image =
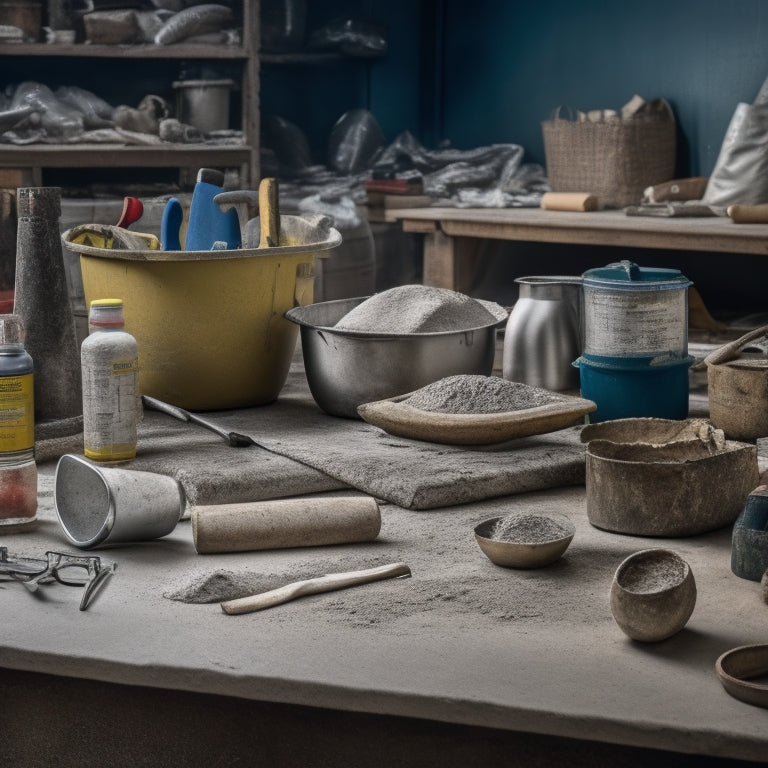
<point x="568" y="201"/>
<point x="284" y="523"/>
<point x="748" y="214"/>
<point x="327" y="583"/>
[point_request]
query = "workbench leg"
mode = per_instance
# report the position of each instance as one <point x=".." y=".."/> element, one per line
<point x="439" y="260"/>
<point x="451" y="262"/>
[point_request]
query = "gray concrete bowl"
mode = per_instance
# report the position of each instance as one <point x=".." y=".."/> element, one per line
<point x="523" y="554"/>
<point x="653" y="595"/>
<point x="348" y="368"/>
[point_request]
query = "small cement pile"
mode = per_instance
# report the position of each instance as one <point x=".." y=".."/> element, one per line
<point x="420" y="309"/>
<point x="474" y="394"/>
<point x="648" y="576"/>
<point x="218" y="586"/>
<point x="528" y="529"/>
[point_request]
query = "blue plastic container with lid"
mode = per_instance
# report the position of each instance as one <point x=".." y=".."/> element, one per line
<point x="635" y="358"/>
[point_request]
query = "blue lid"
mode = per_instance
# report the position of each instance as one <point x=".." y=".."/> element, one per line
<point x="626" y="275"/>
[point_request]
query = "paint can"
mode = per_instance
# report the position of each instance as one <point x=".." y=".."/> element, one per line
<point x="635" y="359"/>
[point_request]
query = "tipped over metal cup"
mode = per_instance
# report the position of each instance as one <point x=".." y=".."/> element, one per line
<point x="99" y="506"/>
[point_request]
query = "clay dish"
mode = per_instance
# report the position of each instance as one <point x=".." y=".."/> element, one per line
<point x="738" y="669"/>
<point x="398" y="418"/>
<point x="522" y="554"/>
<point x="653" y="595"/>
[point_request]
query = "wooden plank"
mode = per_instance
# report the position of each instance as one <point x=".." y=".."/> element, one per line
<point x="81" y="50"/>
<point x="717" y="234"/>
<point x="439" y="260"/>
<point x="417" y="227"/>
<point x="12" y="178"/>
<point x="121" y="156"/>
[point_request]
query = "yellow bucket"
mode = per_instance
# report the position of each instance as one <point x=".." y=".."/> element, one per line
<point x="209" y="324"/>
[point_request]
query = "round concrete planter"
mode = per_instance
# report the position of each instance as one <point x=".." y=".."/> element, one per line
<point x="653" y="595"/>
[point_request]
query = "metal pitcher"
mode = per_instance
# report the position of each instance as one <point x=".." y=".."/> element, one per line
<point x="544" y="333"/>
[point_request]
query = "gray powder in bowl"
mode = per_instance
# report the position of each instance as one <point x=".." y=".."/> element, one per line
<point x="475" y="394"/>
<point x="654" y="573"/>
<point x="528" y="529"/>
<point x="419" y="309"/>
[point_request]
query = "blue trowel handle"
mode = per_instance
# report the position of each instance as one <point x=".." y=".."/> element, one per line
<point x="170" y="225"/>
<point x="207" y="223"/>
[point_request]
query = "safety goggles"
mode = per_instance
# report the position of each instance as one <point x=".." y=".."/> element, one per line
<point x="86" y="571"/>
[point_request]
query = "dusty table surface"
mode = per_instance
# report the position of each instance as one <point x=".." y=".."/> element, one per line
<point x="462" y="641"/>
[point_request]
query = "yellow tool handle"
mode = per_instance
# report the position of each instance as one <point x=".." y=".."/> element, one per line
<point x="569" y="201"/>
<point x="749" y="214"/>
<point x="269" y="213"/>
<point x="327" y="583"/>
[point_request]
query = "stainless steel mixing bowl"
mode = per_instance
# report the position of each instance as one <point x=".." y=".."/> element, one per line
<point x="348" y="368"/>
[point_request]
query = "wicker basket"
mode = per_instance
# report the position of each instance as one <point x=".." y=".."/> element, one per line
<point x="613" y="159"/>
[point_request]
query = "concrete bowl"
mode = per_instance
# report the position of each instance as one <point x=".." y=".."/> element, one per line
<point x="524" y="554"/>
<point x="682" y="488"/>
<point x="348" y="368"/>
<point x="653" y="595"/>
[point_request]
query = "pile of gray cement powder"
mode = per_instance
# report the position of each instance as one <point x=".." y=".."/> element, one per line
<point x="474" y="394"/>
<point x="420" y="309"/>
<point x="653" y="574"/>
<point x="528" y="529"/>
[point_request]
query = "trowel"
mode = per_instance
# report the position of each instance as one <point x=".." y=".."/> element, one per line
<point x="208" y="224"/>
<point x="739" y="214"/>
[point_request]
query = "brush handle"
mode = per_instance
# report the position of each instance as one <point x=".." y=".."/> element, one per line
<point x="327" y="583"/>
<point x="748" y="214"/>
<point x="269" y="213"/>
<point x="569" y="201"/>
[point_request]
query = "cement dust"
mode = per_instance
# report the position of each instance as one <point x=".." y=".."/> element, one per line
<point x="452" y="584"/>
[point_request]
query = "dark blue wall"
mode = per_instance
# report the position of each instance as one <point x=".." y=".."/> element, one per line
<point x="475" y="72"/>
<point x="509" y="64"/>
<point x="393" y="87"/>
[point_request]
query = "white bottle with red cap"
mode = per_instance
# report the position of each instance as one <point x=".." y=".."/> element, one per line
<point x="111" y="399"/>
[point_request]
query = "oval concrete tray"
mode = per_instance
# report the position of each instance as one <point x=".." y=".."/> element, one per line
<point x="398" y="418"/>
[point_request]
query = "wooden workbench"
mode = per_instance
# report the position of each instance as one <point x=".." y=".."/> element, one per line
<point x="452" y="234"/>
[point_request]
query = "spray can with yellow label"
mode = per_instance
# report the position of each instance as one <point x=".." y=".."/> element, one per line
<point x="110" y="372"/>
<point x="18" y="471"/>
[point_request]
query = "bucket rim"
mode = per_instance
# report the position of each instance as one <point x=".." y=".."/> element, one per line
<point x="332" y="240"/>
<point x="629" y="364"/>
<point x="550" y="280"/>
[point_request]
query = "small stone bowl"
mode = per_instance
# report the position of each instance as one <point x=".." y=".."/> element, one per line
<point x="511" y="553"/>
<point x="653" y="595"/>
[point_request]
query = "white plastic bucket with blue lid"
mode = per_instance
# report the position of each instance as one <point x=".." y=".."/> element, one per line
<point x="635" y="358"/>
<point x="635" y="312"/>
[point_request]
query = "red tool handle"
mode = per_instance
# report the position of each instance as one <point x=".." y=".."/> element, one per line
<point x="133" y="209"/>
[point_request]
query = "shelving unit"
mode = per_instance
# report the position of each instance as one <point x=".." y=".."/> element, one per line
<point x="37" y="157"/>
